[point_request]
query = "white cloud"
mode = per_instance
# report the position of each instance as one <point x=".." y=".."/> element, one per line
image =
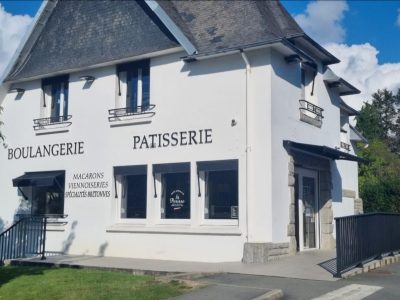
<point x="359" y="65"/>
<point x="398" y="17"/>
<point x="12" y="29"/>
<point x="322" y="21"/>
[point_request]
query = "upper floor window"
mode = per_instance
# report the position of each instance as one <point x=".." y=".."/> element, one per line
<point x="54" y="103"/>
<point x="55" y="100"/>
<point x="133" y="92"/>
<point x="309" y="111"/>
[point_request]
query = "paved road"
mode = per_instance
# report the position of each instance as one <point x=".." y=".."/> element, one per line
<point x="382" y="284"/>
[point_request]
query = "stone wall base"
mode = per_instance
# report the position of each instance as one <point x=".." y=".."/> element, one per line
<point x="264" y="252"/>
<point x="358" y="206"/>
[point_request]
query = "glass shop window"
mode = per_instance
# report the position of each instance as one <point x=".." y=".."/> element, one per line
<point x="175" y="190"/>
<point x="47" y="201"/>
<point x="46" y="191"/>
<point x="134" y="86"/>
<point x="220" y="189"/>
<point x="133" y="191"/>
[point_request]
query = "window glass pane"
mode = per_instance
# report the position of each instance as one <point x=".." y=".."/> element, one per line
<point x="65" y="92"/>
<point x="48" y="199"/>
<point x="131" y="97"/>
<point x="221" y="195"/>
<point x="175" y="195"/>
<point x="55" y="100"/>
<point x="145" y="87"/>
<point x="134" y="196"/>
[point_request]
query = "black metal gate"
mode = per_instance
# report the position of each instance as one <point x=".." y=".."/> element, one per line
<point x="363" y="238"/>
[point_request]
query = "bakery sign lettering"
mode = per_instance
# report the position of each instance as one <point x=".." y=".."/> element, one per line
<point x="88" y="185"/>
<point x="172" y="139"/>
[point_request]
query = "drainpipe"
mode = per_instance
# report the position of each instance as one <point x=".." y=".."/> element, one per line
<point x="248" y="148"/>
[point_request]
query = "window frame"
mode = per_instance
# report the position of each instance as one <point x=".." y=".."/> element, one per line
<point x="125" y="73"/>
<point x="118" y="192"/>
<point x="158" y="189"/>
<point x="202" y="194"/>
<point x="59" y="84"/>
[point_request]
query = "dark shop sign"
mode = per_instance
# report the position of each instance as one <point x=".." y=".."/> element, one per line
<point x="173" y="139"/>
<point x="50" y="150"/>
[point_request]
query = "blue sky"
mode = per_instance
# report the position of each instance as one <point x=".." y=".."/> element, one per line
<point x="363" y="34"/>
<point x="367" y="21"/>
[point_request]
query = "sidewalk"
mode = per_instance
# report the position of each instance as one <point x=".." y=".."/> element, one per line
<point x="304" y="265"/>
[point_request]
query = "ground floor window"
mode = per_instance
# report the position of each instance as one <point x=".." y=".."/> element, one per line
<point x="47" y="201"/>
<point x="133" y="191"/>
<point x="220" y="188"/>
<point x="175" y="190"/>
<point x="46" y="191"/>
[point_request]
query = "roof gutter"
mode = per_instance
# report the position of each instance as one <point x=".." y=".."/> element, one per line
<point x="232" y="50"/>
<point x="253" y="46"/>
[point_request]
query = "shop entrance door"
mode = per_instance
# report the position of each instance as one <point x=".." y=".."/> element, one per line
<point x="307" y="218"/>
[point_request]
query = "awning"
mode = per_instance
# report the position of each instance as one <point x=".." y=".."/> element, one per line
<point x="323" y="151"/>
<point x="218" y="165"/>
<point x="172" y="168"/>
<point x="39" y="179"/>
<point x="131" y="170"/>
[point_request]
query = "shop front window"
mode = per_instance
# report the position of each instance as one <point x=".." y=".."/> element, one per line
<point x="175" y="190"/>
<point x="220" y="189"/>
<point x="133" y="191"/>
<point x="45" y="191"/>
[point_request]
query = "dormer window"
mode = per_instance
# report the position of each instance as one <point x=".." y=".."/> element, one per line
<point x="133" y="91"/>
<point x="54" y="103"/>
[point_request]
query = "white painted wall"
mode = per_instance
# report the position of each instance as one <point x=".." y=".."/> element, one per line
<point x="201" y="95"/>
<point x="286" y="125"/>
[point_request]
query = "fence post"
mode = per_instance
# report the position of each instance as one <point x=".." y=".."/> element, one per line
<point x="44" y="239"/>
<point x="338" y="249"/>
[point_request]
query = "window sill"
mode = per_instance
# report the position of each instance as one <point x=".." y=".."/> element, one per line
<point x="124" y="116"/>
<point x="52" y="124"/>
<point x="168" y="229"/>
<point x="44" y="131"/>
<point x="310" y="120"/>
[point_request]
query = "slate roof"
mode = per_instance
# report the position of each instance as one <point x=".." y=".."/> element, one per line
<point x="216" y="25"/>
<point x="84" y="33"/>
<point x="79" y="34"/>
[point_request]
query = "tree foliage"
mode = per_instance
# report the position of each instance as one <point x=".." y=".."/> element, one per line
<point x="379" y="180"/>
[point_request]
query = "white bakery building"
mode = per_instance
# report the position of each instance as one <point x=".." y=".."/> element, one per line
<point x="182" y="130"/>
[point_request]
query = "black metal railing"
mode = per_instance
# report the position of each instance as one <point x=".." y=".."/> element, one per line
<point x="26" y="237"/>
<point x="345" y="146"/>
<point x="118" y="114"/>
<point x="363" y="238"/>
<point x="44" y="123"/>
<point x="308" y="107"/>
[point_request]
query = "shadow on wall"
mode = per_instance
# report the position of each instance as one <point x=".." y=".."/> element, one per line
<point x="68" y="242"/>
<point x="336" y="183"/>
<point x="102" y="249"/>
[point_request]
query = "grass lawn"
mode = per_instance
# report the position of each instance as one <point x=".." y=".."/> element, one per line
<point x="22" y="282"/>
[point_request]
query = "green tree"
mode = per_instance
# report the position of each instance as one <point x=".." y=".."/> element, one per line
<point x="380" y="119"/>
<point x="379" y="180"/>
